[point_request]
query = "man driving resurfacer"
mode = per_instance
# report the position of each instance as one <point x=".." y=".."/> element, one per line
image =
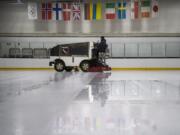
<point x="102" y="47"/>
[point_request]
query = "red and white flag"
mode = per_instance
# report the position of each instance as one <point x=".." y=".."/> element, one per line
<point x="76" y="10"/>
<point x="66" y="11"/>
<point x="46" y="11"/>
<point x="134" y="9"/>
<point x="155" y="8"/>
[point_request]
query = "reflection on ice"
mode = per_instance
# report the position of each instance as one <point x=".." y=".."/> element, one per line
<point x="113" y="125"/>
<point x="131" y="90"/>
<point x="127" y="107"/>
<point x="52" y="103"/>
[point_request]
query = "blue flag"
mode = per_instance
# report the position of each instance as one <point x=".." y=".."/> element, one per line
<point x="122" y="10"/>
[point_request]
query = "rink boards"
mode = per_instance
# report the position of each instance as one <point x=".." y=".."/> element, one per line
<point x="116" y="64"/>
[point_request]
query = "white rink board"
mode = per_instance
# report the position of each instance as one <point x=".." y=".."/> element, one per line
<point x="114" y="63"/>
<point x="24" y="63"/>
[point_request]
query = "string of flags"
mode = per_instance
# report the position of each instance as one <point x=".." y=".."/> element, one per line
<point x="123" y="9"/>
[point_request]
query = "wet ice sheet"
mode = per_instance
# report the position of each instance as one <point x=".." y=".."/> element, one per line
<point x="17" y="82"/>
<point x="127" y="103"/>
<point x="31" y="100"/>
<point x="121" y="103"/>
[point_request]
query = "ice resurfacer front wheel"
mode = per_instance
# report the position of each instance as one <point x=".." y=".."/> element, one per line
<point x="59" y="66"/>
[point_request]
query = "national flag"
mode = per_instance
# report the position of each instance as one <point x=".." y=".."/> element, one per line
<point x="66" y="11"/>
<point x="46" y="11"/>
<point x="57" y="11"/>
<point x="32" y="11"/>
<point x="145" y="8"/>
<point x="134" y="9"/>
<point x="155" y="8"/>
<point x="121" y="11"/>
<point x="87" y="11"/>
<point x="97" y="7"/>
<point x="92" y="11"/>
<point x="76" y="10"/>
<point x="110" y="11"/>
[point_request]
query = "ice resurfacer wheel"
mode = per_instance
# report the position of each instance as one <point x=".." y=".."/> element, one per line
<point x="59" y="66"/>
<point x="85" y="66"/>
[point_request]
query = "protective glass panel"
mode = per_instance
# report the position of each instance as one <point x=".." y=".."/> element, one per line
<point x="14" y="52"/>
<point x="144" y="50"/>
<point x="158" y="50"/>
<point x="40" y="53"/>
<point x="117" y="50"/>
<point x="27" y="53"/>
<point x="173" y="50"/>
<point x="131" y="50"/>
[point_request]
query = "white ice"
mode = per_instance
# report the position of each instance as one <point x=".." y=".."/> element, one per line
<point x="120" y="103"/>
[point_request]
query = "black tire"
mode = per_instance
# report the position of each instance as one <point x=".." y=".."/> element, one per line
<point x="68" y="69"/>
<point x="84" y="66"/>
<point x="59" y="66"/>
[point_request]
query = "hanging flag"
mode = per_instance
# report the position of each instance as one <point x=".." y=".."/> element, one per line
<point x="76" y="11"/>
<point x="32" y="11"/>
<point x="87" y="11"/>
<point x="110" y="11"/>
<point x="66" y="11"/>
<point x="145" y="8"/>
<point x="46" y="11"/>
<point x="155" y="8"/>
<point x="121" y="10"/>
<point x="57" y="11"/>
<point x="92" y="11"/>
<point x="134" y="9"/>
<point x="97" y="7"/>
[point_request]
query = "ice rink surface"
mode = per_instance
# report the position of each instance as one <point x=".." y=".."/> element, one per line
<point x="116" y="103"/>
